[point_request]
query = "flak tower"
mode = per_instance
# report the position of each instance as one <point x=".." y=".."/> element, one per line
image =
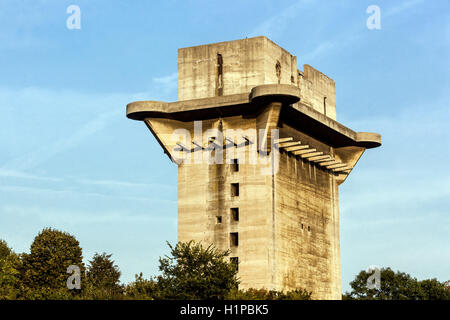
<point x="260" y="157"/>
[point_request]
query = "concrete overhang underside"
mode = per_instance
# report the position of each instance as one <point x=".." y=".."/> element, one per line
<point x="293" y="113"/>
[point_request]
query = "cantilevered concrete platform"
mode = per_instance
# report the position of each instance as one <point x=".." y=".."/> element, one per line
<point x="294" y="112"/>
<point x="324" y="128"/>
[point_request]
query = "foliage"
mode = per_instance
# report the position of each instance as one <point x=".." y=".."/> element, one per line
<point x="46" y="293"/>
<point x="195" y="272"/>
<point x="102" y="278"/>
<point x="263" y="294"/>
<point x="9" y="273"/>
<point x="396" y="286"/>
<point x="432" y="289"/>
<point x="51" y="252"/>
<point x="5" y="251"/>
<point x="189" y="272"/>
<point x="142" y="289"/>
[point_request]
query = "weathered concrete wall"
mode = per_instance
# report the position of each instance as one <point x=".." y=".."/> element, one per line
<point x="241" y="66"/>
<point x="204" y="194"/>
<point x="318" y="91"/>
<point x="307" y="225"/>
<point x="274" y="251"/>
<point x="232" y="67"/>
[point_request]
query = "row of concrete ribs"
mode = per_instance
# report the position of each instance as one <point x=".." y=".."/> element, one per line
<point x="312" y="155"/>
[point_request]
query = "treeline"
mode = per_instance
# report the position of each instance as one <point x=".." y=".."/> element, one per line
<point x="396" y="286"/>
<point x="190" y="271"/>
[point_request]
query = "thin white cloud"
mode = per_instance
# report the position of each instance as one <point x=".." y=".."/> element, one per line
<point x="61" y="118"/>
<point x="328" y="46"/>
<point x="55" y="216"/>
<point x="401" y="190"/>
<point x="46" y="152"/>
<point x="354" y="32"/>
<point x="167" y="85"/>
<point x="401" y="8"/>
<point x="170" y="80"/>
<point x="277" y="23"/>
<point x="24" y="175"/>
<point x="64" y="192"/>
<point x="54" y="125"/>
<point x="122" y="184"/>
<point x="71" y="180"/>
<point x="415" y="143"/>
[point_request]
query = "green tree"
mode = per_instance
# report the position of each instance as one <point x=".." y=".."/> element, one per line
<point x="5" y="251"/>
<point x="44" y="269"/>
<point x="195" y="272"/>
<point x="9" y="273"/>
<point x="395" y="286"/>
<point x="434" y="290"/>
<point x="142" y="289"/>
<point x="103" y="277"/>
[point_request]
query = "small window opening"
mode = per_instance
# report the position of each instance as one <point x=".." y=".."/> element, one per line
<point x="235" y="165"/>
<point x="235" y="189"/>
<point x="234" y="214"/>
<point x="219" y="219"/>
<point x="234" y="239"/>
<point x="219" y="81"/>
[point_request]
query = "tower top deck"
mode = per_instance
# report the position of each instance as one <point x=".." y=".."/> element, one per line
<point x="232" y="78"/>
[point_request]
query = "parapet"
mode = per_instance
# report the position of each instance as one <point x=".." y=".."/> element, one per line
<point x="318" y="91"/>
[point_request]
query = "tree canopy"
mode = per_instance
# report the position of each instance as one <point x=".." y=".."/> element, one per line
<point x="51" y="253"/>
<point x="4" y="250"/>
<point x="189" y="271"/>
<point x="397" y="286"/>
<point x="195" y="272"/>
<point x="104" y="276"/>
<point x="9" y="272"/>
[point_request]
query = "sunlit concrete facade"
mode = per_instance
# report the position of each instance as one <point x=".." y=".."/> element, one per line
<point x="273" y="201"/>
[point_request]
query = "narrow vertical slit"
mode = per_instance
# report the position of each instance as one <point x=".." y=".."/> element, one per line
<point x="219" y="82"/>
<point x="278" y="71"/>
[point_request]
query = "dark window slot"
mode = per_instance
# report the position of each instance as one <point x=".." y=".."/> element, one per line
<point x="234" y="239"/>
<point x="234" y="214"/>
<point x="235" y="189"/>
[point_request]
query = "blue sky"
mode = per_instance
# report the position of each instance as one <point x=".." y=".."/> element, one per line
<point x="70" y="159"/>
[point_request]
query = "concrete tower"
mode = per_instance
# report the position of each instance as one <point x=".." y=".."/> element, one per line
<point x="260" y="157"/>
